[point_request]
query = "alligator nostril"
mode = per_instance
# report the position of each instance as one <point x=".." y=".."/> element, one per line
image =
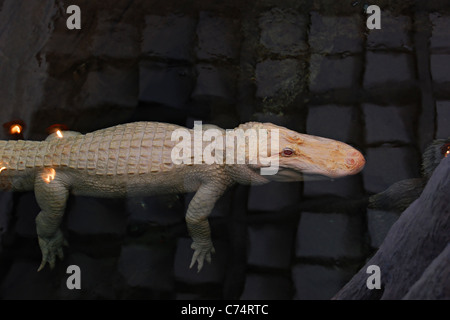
<point x="355" y="159"/>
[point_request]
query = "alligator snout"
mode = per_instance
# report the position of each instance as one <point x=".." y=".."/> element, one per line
<point x="355" y="161"/>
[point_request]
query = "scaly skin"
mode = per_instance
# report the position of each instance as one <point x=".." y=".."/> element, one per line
<point x="135" y="159"/>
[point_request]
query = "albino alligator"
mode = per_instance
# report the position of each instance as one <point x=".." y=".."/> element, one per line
<point x="135" y="159"/>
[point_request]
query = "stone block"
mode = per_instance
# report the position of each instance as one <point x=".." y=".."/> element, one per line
<point x="115" y="40"/>
<point x="169" y="37"/>
<point x="217" y="37"/>
<point x="389" y="123"/>
<point x="283" y="32"/>
<point x="379" y="223"/>
<point x="161" y="84"/>
<point x="335" y="34"/>
<point x="26" y="212"/>
<point x="97" y="278"/>
<point x="443" y="119"/>
<point x="329" y="235"/>
<point x="330" y="73"/>
<point x="394" y="33"/>
<point x="266" y="287"/>
<point x="439" y="38"/>
<point x="278" y="84"/>
<point x="334" y="122"/>
<point x="92" y="216"/>
<point x="6" y="206"/>
<point x="214" y="84"/>
<point x="110" y="86"/>
<point x="384" y="69"/>
<point x="157" y="210"/>
<point x="270" y="246"/>
<point x="315" y="282"/>
<point x="148" y="267"/>
<point x="76" y="45"/>
<point x="346" y="187"/>
<point x="273" y="196"/>
<point x="22" y="282"/>
<point x="386" y="165"/>
<point x="211" y="273"/>
<point x="277" y="77"/>
<point x="26" y="29"/>
<point x="292" y="123"/>
<point x="440" y="68"/>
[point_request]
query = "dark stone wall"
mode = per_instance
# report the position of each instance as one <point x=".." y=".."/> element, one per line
<point x="309" y="65"/>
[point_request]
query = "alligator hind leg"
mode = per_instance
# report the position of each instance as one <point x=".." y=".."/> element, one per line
<point x="51" y="196"/>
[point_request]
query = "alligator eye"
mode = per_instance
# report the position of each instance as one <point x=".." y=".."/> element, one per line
<point x="445" y="150"/>
<point x="287" y="152"/>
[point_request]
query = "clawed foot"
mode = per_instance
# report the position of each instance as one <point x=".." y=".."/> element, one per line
<point x="50" y="248"/>
<point x="202" y="252"/>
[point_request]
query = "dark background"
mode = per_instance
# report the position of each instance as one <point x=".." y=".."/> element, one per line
<point x="312" y="66"/>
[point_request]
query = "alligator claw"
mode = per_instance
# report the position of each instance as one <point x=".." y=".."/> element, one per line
<point x="51" y="248"/>
<point x="201" y="252"/>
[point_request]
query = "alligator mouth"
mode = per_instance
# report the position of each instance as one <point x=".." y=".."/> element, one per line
<point x="288" y="174"/>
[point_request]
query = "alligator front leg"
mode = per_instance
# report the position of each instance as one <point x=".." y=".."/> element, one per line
<point x="51" y="196"/>
<point x="197" y="214"/>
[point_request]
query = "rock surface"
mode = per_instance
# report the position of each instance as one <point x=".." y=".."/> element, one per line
<point x="329" y="235"/>
<point x="406" y="256"/>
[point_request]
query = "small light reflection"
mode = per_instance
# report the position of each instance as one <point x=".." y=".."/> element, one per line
<point x="15" y="129"/>
<point x="48" y="175"/>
